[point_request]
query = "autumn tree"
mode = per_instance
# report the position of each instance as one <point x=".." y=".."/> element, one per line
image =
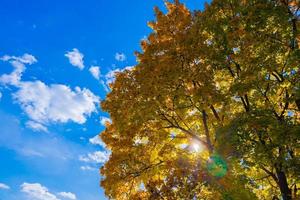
<point x="211" y="110"/>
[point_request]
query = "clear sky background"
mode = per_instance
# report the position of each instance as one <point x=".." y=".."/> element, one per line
<point x="56" y="59"/>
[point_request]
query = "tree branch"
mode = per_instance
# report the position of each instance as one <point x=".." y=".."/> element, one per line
<point x="206" y="130"/>
<point x="188" y="132"/>
<point x="270" y="173"/>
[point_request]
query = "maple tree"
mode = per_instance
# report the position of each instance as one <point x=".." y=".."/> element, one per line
<point x="212" y="109"/>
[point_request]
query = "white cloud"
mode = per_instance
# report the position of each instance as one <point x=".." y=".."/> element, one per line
<point x="120" y="57"/>
<point x="67" y="195"/>
<point x="75" y="58"/>
<point x="111" y="75"/>
<point x="95" y="157"/>
<point x="0" y="95"/>
<point x="87" y="168"/>
<point x="14" y="77"/>
<point x="104" y="120"/>
<point x="46" y="104"/>
<point x="38" y="127"/>
<point x="4" y="186"/>
<point x="55" y="103"/>
<point x="109" y="78"/>
<point x="95" y="71"/>
<point x="26" y="58"/>
<point x="18" y="63"/>
<point x="37" y="192"/>
<point x="96" y="140"/>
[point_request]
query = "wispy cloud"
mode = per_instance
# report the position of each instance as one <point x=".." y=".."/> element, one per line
<point x="36" y="126"/>
<point x="75" y="58"/>
<point x="120" y="57"/>
<point x="95" y="71"/>
<point x="37" y="149"/>
<point x="18" y="64"/>
<point x="30" y="152"/>
<point x="87" y="168"/>
<point x="111" y="76"/>
<point x="104" y="120"/>
<point x="26" y="58"/>
<point x="37" y="192"/>
<point x="67" y="195"/>
<point x="95" y="157"/>
<point x="96" y="140"/>
<point x="4" y="186"/>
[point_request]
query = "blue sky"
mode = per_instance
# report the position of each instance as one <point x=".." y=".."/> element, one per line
<point x="56" y="59"/>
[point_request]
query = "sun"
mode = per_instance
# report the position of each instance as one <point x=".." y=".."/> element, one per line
<point x="197" y="146"/>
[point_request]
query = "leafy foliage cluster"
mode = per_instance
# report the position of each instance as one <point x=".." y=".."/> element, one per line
<point x="211" y="110"/>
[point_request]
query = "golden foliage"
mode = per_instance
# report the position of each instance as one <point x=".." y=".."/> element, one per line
<point x="211" y="111"/>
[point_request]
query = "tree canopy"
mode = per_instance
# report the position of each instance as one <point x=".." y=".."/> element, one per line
<point x="211" y="110"/>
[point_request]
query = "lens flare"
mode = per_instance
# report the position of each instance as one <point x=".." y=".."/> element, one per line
<point x="217" y="166"/>
<point x="197" y="146"/>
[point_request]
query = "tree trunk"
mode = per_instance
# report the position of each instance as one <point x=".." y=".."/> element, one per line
<point x="283" y="185"/>
<point x="298" y="103"/>
<point x="208" y="140"/>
